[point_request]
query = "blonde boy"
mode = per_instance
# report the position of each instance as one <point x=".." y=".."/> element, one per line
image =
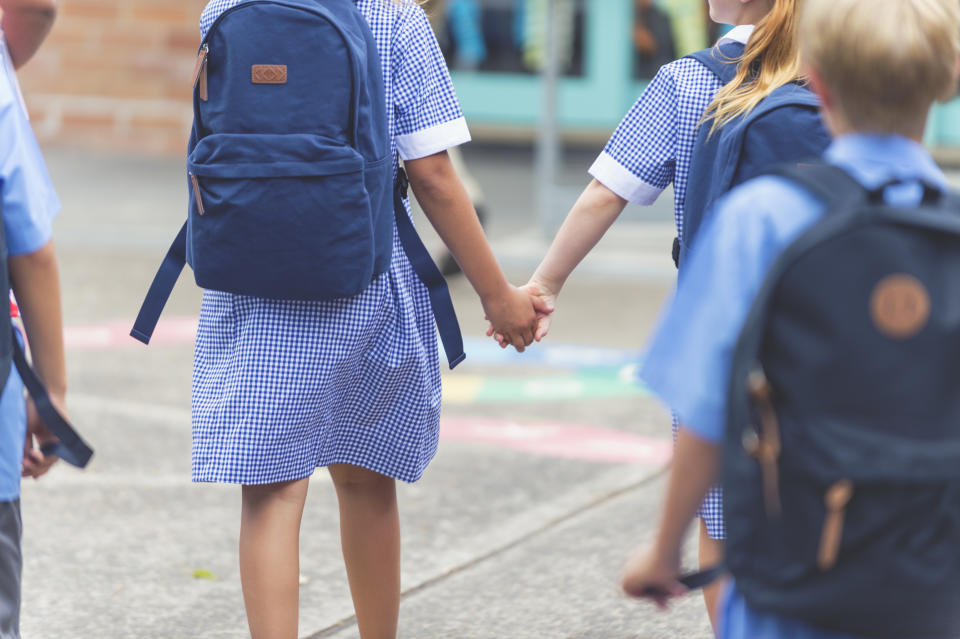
<point x="878" y="66"/>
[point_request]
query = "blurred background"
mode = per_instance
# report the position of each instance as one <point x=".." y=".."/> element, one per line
<point x="551" y="463"/>
<point x="115" y="73"/>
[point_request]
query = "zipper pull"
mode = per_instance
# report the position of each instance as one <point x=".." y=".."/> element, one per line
<point x="836" y="500"/>
<point x="196" y="193"/>
<point x="767" y="449"/>
<point x="200" y="72"/>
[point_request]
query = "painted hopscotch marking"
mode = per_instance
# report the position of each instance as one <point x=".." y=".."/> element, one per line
<point x="587" y="372"/>
<point x="565" y="441"/>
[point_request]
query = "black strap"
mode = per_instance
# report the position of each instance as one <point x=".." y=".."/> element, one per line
<point x="932" y="193"/>
<point x="833" y="185"/>
<point x="163" y="283"/>
<point x="71" y="448"/>
<point x="693" y="580"/>
<point x="429" y="274"/>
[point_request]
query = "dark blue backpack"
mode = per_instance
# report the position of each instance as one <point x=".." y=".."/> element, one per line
<point x="291" y="178"/>
<point x="785" y="127"/>
<point x="841" y="468"/>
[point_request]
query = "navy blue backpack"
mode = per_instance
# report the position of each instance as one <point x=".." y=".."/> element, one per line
<point x="292" y="183"/>
<point x="841" y="468"/>
<point x="784" y="127"/>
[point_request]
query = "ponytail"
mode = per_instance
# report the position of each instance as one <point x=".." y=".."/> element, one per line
<point x="771" y="59"/>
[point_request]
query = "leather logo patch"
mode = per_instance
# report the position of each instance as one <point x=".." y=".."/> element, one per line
<point x="269" y="74"/>
<point x="900" y="306"/>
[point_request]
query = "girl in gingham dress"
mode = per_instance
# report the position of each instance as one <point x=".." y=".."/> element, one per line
<point x="282" y="387"/>
<point x="652" y="148"/>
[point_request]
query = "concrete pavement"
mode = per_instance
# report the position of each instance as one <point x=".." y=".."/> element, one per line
<point x="550" y="468"/>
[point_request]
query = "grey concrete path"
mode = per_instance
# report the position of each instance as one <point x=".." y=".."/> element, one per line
<point x="549" y="471"/>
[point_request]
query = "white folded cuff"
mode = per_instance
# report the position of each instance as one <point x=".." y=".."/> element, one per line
<point x="621" y="181"/>
<point x="441" y="137"/>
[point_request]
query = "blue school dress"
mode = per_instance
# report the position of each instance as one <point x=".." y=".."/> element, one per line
<point x="651" y="149"/>
<point x="282" y="387"/>
<point x="689" y="360"/>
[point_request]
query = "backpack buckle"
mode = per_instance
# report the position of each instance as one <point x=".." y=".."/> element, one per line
<point x="403" y="182"/>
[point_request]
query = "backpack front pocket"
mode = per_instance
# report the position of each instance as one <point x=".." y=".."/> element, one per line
<point x="280" y="216"/>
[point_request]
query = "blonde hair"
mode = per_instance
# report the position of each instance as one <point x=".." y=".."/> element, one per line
<point x="770" y="60"/>
<point x="886" y="61"/>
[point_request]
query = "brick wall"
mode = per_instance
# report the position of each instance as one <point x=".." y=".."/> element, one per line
<point x="115" y="74"/>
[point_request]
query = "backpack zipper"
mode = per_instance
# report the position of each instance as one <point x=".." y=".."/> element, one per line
<point x="196" y="193"/>
<point x="200" y="72"/>
<point x="838" y="496"/>
<point x="765" y="446"/>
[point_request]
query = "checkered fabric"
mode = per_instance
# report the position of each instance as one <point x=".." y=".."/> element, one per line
<point x="655" y="140"/>
<point x="655" y="143"/>
<point x="281" y="387"/>
<point x="711" y="510"/>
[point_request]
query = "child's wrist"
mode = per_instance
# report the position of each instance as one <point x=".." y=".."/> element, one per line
<point x="546" y="285"/>
<point x="494" y="293"/>
<point x="667" y="554"/>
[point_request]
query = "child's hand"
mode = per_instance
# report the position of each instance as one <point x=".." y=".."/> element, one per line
<point x="648" y="575"/>
<point x="543" y="300"/>
<point x="513" y="316"/>
<point x="35" y="463"/>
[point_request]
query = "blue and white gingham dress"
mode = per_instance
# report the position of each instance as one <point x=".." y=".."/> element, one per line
<point x="652" y="148"/>
<point x="282" y="387"/>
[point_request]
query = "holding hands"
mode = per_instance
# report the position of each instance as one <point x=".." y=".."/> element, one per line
<point x="536" y="295"/>
<point x="516" y="316"/>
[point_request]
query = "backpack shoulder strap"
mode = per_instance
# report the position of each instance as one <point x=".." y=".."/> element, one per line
<point x="163" y="283"/>
<point x="831" y="184"/>
<point x="71" y="448"/>
<point x="429" y="274"/>
<point x="721" y="60"/>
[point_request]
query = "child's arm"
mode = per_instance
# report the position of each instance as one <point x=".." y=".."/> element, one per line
<point x="696" y="465"/>
<point x="444" y="200"/>
<point x="595" y="211"/>
<point x="26" y="24"/>
<point x="35" y="280"/>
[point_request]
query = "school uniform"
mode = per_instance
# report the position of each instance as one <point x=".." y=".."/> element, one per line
<point x="282" y="387"/>
<point x="689" y="361"/>
<point x="652" y="148"/>
<point x="29" y="205"/>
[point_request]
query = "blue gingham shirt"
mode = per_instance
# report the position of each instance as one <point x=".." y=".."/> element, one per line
<point x="653" y="145"/>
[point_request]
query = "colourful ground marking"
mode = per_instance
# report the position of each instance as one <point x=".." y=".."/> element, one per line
<point x="480" y="351"/>
<point x="599" y="373"/>
<point x="116" y="334"/>
<point x="565" y="441"/>
<point x="592" y="384"/>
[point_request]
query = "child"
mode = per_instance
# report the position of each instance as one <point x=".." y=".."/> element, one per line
<point x="877" y="67"/>
<point x="29" y="205"/>
<point x="281" y="387"/>
<point x="654" y="146"/>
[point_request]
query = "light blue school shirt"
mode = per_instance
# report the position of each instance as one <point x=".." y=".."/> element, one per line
<point x="689" y="361"/>
<point x="29" y="206"/>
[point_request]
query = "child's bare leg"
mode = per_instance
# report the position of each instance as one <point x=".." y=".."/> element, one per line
<point x="370" y="535"/>
<point x="270" y="557"/>
<point x="711" y="554"/>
